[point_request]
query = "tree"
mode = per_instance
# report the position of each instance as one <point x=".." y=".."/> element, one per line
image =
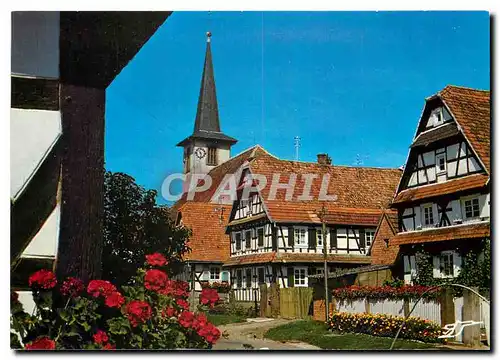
<point x="135" y="225"/>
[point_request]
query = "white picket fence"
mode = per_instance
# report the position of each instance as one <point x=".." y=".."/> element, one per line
<point x="429" y="310"/>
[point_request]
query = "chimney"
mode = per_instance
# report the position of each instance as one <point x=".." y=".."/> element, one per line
<point x="324" y="159"/>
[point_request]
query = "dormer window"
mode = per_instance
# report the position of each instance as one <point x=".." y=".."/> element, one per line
<point x="212" y="156"/>
<point x="439" y="117"/>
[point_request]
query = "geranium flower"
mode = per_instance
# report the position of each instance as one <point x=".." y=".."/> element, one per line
<point x="210" y="333"/>
<point x="199" y="321"/>
<point x="115" y="299"/>
<point x="155" y="279"/>
<point x="156" y="259"/>
<point x="168" y="312"/>
<point x="43" y="279"/>
<point x="209" y="297"/>
<point x="183" y="304"/>
<point x="108" y="346"/>
<point x="138" y="311"/>
<point x="42" y="343"/>
<point x="100" y="287"/>
<point x="186" y="319"/>
<point x="100" y="337"/>
<point x="72" y="287"/>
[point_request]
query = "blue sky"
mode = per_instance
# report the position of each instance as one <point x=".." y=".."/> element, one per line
<point x="351" y="84"/>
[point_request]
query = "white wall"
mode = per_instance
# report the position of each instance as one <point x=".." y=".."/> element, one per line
<point x="35" y="43"/>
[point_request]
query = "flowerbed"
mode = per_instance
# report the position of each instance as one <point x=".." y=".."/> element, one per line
<point x="385" y="325"/>
<point x="151" y="314"/>
<point x="406" y="292"/>
<point x="221" y="287"/>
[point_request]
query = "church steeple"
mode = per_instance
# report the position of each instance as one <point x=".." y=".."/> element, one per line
<point x="207" y="136"/>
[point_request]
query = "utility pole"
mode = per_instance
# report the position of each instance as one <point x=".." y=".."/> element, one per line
<point x="321" y="215"/>
<point x="297" y="146"/>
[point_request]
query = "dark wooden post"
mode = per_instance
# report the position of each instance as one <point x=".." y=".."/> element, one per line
<point x="447" y="307"/>
<point x="263" y="300"/>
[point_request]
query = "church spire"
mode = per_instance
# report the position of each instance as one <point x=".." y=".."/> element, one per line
<point x="207" y="115"/>
<point x="207" y="123"/>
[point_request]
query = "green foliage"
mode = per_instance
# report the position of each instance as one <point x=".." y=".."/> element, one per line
<point x="135" y="225"/>
<point x="396" y="283"/>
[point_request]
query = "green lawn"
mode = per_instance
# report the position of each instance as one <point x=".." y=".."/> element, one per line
<point x="223" y="319"/>
<point x="316" y="333"/>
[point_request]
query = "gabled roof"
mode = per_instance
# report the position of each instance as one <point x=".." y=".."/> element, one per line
<point x="208" y="242"/>
<point x="455" y="232"/>
<point x="470" y="182"/>
<point x="361" y="192"/>
<point x="471" y="109"/>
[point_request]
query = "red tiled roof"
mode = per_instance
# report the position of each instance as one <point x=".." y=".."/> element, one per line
<point x="273" y="257"/>
<point x="471" y="110"/>
<point x="361" y="192"/>
<point x="468" y="231"/>
<point x="208" y="241"/>
<point x="448" y="187"/>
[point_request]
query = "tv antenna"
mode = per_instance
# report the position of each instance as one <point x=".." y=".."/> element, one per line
<point x="296" y="141"/>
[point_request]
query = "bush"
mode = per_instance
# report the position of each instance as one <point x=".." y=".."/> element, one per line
<point x="385" y="325"/>
<point x="153" y="313"/>
<point x="406" y="292"/>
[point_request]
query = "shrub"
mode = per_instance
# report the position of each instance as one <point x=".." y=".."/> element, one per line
<point x="150" y="314"/>
<point x="406" y="292"/>
<point x="385" y="325"/>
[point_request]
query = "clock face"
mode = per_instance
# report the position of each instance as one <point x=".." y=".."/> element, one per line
<point x="200" y="153"/>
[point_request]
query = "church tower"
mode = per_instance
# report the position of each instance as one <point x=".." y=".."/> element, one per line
<point x="207" y="147"/>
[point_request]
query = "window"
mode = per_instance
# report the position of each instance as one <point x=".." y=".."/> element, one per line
<point x="212" y="156"/>
<point x="300" y="236"/>
<point x="369" y="235"/>
<point x="440" y="163"/>
<point x="439" y="117"/>
<point x="238" y="240"/>
<point x="260" y="275"/>
<point x="260" y="237"/>
<point x="248" y="239"/>
<point x="471" y="207"/>
<point x="446" y="264"/>
<point x="320" y="271"/>
<point x="239" y="278"/>
<point x="214" y="273"/>
<point x="300" y="277"/>
<point x="319" y="238"/>
<point x="428" y="219"/>
<point x="248" y="278"/>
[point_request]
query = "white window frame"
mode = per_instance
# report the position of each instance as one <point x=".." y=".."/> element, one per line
<point x="464" y="212"/>
<point x="212" y="278"/>
<point x="369" y="242"/>
<point x="423" y="220"/>
<point x="451" y="254"/>
<point x="319" y="238"/>
<point x="295" y="237"/>
<point x="438" y="169"/>
<point x="297" y="280"/>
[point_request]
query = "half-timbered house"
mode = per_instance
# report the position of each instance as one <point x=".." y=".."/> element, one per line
<point x="276" y="231"/>
<point x="443" y="199"/>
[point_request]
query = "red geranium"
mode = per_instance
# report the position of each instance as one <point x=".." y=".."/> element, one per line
<point x="199" y="322"/>
<point x="138" y="312"/>
<point x="114" y="299"/>
<point x="109" y="347"/>
<point x="100" y="287"/>
<point x="156" y="259"/>
<point x="180" y="289"/>
<point x="72" y="287"/>
<point x="186" y="319"/>
<point x="42" y="343"/>
<point x="183" y="304"/>
<point x="100" y="337"/>
<point x="168" y="312"/>
<point x="209" y="297"/>
<point x="43" y="279"/>
<point x="210" y="333"/>
<point x="155" y="279"/>
<point x="168" y="288"/>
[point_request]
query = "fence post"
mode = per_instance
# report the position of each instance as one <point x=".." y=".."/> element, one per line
<point x="471" y="334"/>
<point x="263" y="300"/>
<point x="447" y="307"/>
<point x="406" y="307"/>
<point x="367" y="306"/>
<point x="275" y="300"/>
